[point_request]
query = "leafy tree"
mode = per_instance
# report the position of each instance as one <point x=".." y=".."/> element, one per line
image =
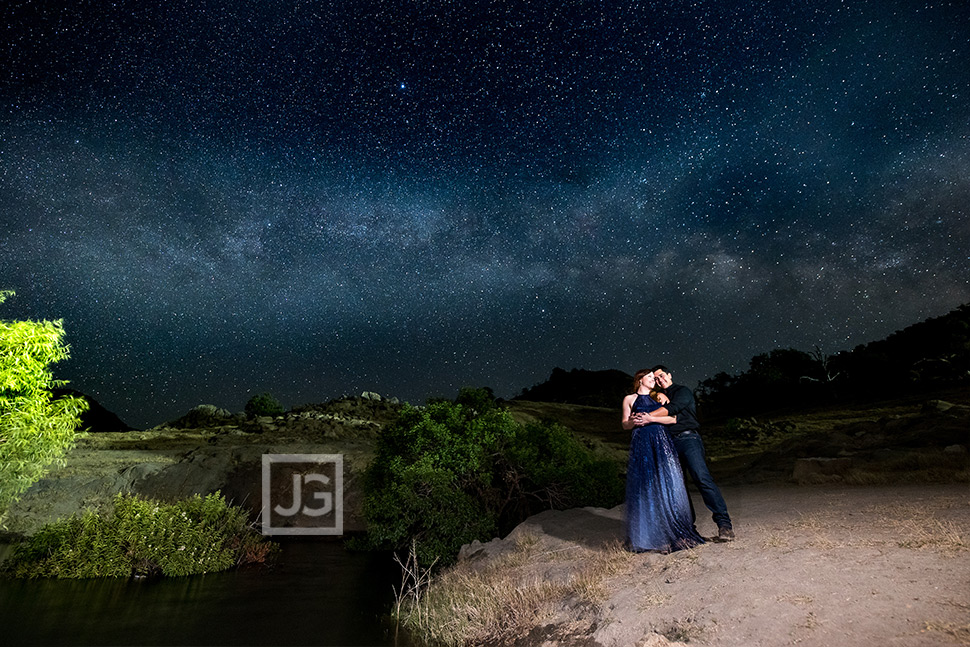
<point x="36" y="429"/>
<point x="481" y="400"/>
<point x="780" y="370"/>
<point x="264" y="404"/>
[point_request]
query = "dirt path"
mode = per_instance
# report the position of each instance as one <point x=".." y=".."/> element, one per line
<point x="821" y="566"/>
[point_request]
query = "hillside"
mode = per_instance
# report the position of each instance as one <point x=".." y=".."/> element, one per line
<point x="911" y="439"/>
<point x="906" y="440"/>
<point x="579" y="386"/>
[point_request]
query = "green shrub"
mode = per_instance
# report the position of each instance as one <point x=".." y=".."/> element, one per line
<point x="36" y="431"/>
<point x="559" y="472"/>
<point x="450" y="473"/>
<point x="264" y="404"/>
<point x="142" y="537"/>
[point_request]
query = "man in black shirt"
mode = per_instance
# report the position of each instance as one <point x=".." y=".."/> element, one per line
<point x="691" y="448"/>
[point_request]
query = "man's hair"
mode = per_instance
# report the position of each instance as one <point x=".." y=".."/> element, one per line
<point x="659" y="367"/>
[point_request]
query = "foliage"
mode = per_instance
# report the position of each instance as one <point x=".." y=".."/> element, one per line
<point x="450" y="473"/>
<point x="480" y="400"/>
<point x="142" y="537"/>
<point x="920" y="358"/>
<point x="554" y="470"/>
<point x="264" y="404"/>
<point x="36" y="429"/>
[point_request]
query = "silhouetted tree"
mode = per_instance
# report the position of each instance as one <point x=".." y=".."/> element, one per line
<point x="933" y="353"/>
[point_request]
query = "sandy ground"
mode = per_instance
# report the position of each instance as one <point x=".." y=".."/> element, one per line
<point x="826" y="565"/>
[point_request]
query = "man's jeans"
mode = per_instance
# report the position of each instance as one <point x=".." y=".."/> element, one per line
<point x="691" y="449"/>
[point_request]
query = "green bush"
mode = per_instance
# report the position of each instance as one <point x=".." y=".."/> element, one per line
<point x="450" y="473"/>
<point x="142" y="537"/>
<point x="264" y="404"/>
<point x="559" y="472"/>
<point x="36" y="431"/>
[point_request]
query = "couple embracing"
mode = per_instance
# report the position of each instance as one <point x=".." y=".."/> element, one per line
<point x="659" y="513"/>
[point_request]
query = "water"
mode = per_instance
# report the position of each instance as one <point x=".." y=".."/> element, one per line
<point x="316" y="594"/>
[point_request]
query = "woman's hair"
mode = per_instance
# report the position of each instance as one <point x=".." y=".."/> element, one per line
<point x="639" y="376"/>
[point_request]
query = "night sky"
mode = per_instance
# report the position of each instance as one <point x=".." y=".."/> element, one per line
<point x="222" y="198"/>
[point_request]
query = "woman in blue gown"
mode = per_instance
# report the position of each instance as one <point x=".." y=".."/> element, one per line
<point x="658" y="516"/>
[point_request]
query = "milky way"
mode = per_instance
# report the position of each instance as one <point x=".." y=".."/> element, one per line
<point x="313" y="199"/>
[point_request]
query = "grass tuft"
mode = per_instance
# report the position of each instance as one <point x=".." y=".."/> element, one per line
<point x="509" y="597"/>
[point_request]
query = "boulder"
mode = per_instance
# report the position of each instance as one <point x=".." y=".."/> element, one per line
<point x="204" y="415"/>
<point x="938" y="406"/>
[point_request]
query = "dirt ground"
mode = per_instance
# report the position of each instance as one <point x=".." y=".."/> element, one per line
<point x="818" y="566"/>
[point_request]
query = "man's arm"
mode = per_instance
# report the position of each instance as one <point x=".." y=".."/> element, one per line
<point x="680" y="399"/>
<point x="643" y="418"/>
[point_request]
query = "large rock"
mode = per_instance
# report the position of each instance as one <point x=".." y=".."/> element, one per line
<point x="204" y="415"/>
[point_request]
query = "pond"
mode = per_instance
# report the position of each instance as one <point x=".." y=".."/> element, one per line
<point x="316" y="594"/>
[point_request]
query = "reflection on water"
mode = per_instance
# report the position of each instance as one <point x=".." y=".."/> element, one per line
<point x="317" y="594"/>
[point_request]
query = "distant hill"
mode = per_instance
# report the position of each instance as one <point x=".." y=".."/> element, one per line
<point x="922" y="358"/>
<point x="934" y="350"/>
<point x="579" y="386"/>
<point x="96" y="418"/>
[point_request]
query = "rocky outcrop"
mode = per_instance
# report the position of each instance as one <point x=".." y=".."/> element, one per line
<point x="206" y="415"/>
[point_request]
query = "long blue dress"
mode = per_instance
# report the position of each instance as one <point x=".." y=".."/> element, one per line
<point x="658" y="516"/>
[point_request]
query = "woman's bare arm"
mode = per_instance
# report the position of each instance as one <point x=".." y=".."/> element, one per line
<point x="627" y="420"/>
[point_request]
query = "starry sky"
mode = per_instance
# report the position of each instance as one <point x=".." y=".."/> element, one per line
<point x="226" y="197"/>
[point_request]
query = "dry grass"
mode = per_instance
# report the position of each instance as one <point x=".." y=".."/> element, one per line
<point x="655" y="597"/>
<point x="960" y="633"/>
<point x="511" y="595"/>
<point x="919" y="527"/>
<point x="463" y="607"/>
<point x="811" y="523"/>
<point x="914" y="466"/>
<point x="771" y="539"/>
<point x="944" y="536"/>
<point x="912" y="526"/>
<point x="815" y="529"/>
